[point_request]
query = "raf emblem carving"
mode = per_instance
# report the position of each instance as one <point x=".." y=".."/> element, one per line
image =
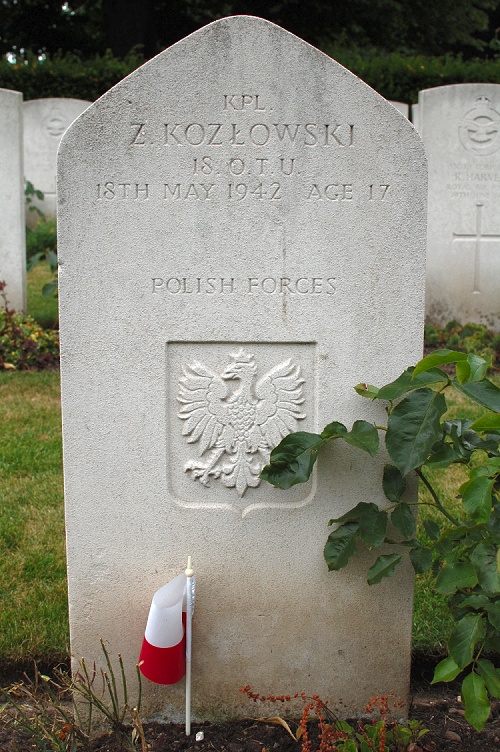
<point x="480" y="128"/>
<point x="236" y="418"/>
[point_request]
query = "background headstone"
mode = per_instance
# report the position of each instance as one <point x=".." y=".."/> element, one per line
<point x="45" y="121"/>
<point x="401" y="107"/>
<point x="460" y="127"/>
<point x="240" y="217"/>
<point x="12" y="237"/>
<point x="414" y="117"/>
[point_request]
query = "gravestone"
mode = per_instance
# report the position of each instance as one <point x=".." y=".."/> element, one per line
<point x="414" y="117"/>
<point x="12" y="237"/>
<point x="45" y="121"/>
<point x="241" y="240"/>
<point x="460" y="127"/>
<point x="401" y="107"/>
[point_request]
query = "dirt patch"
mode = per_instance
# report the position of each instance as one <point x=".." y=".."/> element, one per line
<point x="436" y="707"/>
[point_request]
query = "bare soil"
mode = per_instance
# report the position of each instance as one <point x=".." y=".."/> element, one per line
<point x="437" y="707"/>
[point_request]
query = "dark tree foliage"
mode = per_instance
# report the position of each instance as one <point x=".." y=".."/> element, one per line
<point x="51" y="25"/>
<point x="92" y="26"/>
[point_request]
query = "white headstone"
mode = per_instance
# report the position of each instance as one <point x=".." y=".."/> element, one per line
<point x="460" y="127"/>
<point x="239" y="216"/>
<point x="401" y="107"/>
<point x="12" y="237"/>
<point x="45" y="121"/>
<point x="414" y="117"/>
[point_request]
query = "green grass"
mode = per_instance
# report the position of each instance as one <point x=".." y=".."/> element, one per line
<point x="41" y="307"/>
<point x="33" y="601"/>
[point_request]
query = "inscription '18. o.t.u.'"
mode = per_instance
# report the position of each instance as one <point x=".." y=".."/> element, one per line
<point x="237" y="428"/>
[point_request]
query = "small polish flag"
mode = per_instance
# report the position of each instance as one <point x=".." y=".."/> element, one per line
<point x="163" y="654"/>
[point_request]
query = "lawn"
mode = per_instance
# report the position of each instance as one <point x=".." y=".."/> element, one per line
<point x="33" y="601"/>
<point x="43" y="308"/>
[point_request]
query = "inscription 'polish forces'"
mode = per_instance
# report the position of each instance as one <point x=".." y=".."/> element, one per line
<point x="251" y="285"/>
<point x="339" y="135"/>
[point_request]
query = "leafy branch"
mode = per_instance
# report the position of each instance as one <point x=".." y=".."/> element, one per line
<point x="465" y="559"/>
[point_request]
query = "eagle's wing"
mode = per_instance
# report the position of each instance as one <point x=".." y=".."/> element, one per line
<point x="280" y="395"/>
<point x="206" y="419"/>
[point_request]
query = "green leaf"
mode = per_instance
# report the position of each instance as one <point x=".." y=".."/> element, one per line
<point x="456" y="576"/>
<point x="393" y="483"/>
<point x="349" y="745"/>
<point x="372" y="522"/>
<point x="432" y="529"/>
<point x="292" y="461"/>
<point x="445" y="456"/>
<point x="475" y="698"/>
<point x="484" y="559"/>
<point x="373" y="527"/>
<point x="383" y="567"/>
<point x="446" y="671"/>
<point x="33" y="261"/>
<point x="476" y="601"/>
<point x="364" y="436"/>
<point x="494" y="615"/>
<point x="487" y="422"/>
<point x="472" y="369"/>
<point x="341" y="545"/>
<point x="483" y="392"/>
<point x="361" y="509"/>
<point x="407" y="383"/>
<point x="334" y="430"/>
<point x="413" y="428"/>
<point x="438" y="358"/>
<point x="366" y="390"/>
<point x="466" y="633"/>
<point x="49" y="288"/>
<point x="476" y="497"/>
<point x="421" y="558"/>
<point x="52" y="260"/>
<point x="493" y="465"/>
<point x="403" y="519"/>
<point x="491" y="676"/>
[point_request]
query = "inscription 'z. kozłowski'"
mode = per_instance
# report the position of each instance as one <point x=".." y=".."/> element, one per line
<point x="339" y="135"/>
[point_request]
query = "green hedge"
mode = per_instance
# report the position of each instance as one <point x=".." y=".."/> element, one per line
<point x="66" y="75"/>
<point x="400" y="78"/>
<point x="395" y="76"/>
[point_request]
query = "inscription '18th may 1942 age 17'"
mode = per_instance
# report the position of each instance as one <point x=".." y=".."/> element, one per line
<point x="237" y="428"/>
<point x="250" y="173"/>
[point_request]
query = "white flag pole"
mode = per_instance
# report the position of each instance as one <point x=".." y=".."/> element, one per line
<point x="189" y="638"/>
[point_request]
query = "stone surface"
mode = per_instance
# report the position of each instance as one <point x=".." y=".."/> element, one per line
<point x="401" y="107"/>
<point x="414" y="117"/>
<point x="460" y="127"/>
<point x="12" y="237"/>
<point x="45" y="121"/>
<point x="240" y="217"/>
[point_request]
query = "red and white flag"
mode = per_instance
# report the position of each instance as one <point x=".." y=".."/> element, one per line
<point x="163" y="654"/>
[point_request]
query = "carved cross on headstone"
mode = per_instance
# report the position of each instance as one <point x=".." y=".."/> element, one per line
<point x="478" y="237"/>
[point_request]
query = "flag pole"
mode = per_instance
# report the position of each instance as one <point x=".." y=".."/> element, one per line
<point x="189" y="572"/>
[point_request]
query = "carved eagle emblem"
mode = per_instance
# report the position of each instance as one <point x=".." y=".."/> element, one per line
<point x="236" y="418"/>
